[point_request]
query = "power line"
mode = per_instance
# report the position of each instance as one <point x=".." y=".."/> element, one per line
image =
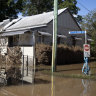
<point x="83" y="6"/>
<point x="88" y="11"/>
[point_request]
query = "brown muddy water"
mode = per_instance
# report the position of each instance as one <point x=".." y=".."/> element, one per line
<point x="56" y="86"/>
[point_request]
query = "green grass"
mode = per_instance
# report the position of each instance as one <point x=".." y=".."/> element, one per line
<point x="80" y="76"/>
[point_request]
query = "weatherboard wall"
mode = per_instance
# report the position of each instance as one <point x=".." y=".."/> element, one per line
<point x="66" y="23"/>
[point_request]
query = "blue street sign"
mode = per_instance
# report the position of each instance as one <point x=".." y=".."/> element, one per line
<point x="77" y="32"/>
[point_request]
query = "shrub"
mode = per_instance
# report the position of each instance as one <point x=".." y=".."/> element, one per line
<point x="14" y="63"/>
<point x="43" y="54"/>
<point x="65" y="54"/>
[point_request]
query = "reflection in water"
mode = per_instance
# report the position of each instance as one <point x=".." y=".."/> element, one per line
<point x="33" y="91"/>
<point x="86" y="85"/>
<point x="52" y="86"/>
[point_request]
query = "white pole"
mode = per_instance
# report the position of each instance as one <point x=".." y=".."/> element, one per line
<point x="85" y="37"/>
<point x="23" y="62"/>
<point x="34" y="54"/>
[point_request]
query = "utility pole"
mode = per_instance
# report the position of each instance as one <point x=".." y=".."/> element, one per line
<point x="54" y="47"/>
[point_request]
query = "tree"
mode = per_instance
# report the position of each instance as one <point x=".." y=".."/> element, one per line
<point x="31" y="7"/>
<point x="10" y="8"/>
<point x="89" y="23"/>
<point x="71" y="4"/>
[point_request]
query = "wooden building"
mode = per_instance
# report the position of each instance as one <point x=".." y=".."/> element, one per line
<point x="41" y="25"/>
<point x="27" y="31"/>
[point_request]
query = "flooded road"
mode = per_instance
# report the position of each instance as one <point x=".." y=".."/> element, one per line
<point x="59" y="87"/>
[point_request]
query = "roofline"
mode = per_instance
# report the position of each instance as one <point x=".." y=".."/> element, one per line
<point x="74" y="19"/>
<point x="71" y="16"/>
<point x="58" y="15"/>
<point x="26" y="28"/>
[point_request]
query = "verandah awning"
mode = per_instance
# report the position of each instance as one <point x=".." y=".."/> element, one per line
<point x="48" y="34"/>
<point x="6" y="34"/>
<point x="62" y="36"/>
<point x="45" y="33"/>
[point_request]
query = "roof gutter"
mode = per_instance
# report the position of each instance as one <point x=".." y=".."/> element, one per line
<point x="26" y="28"/>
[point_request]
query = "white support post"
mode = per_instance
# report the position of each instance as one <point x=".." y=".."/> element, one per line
<point x="34" y="53"/>
<point x="85" y="37"/>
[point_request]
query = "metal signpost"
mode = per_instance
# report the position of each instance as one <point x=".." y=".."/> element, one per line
<point x="85" y="68"/>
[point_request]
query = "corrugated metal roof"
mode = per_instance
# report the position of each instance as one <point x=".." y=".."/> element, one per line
<point x="77" y="38"/>
<point x="90" y="40"/>
<point x="1" y="23"/>
<point x="10" y="23"/>
<point x="62" y="36"/>
<point x="45" y="33"/>
<point x="13" y="33"/>
<point x="35" y="20"/>
<point x="48" y="34"/>
<point x="4" y="23"/>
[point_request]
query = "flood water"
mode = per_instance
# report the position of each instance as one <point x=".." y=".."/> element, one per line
<point x="56" y="86"/>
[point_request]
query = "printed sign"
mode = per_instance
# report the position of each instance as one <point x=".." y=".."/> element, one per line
<point x="77" y="32"/>
<point x="86" y="50"/>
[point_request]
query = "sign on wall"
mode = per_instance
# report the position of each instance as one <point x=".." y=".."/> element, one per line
<point x="86" y="50"/>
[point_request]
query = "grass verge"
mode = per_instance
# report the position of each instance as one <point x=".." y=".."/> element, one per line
<point x="80" y="76"/>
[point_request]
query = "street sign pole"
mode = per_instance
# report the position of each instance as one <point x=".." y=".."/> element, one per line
<point x="85" y="68"/>
<point x="54" y="47"/>
<point x="85" y="37"/>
